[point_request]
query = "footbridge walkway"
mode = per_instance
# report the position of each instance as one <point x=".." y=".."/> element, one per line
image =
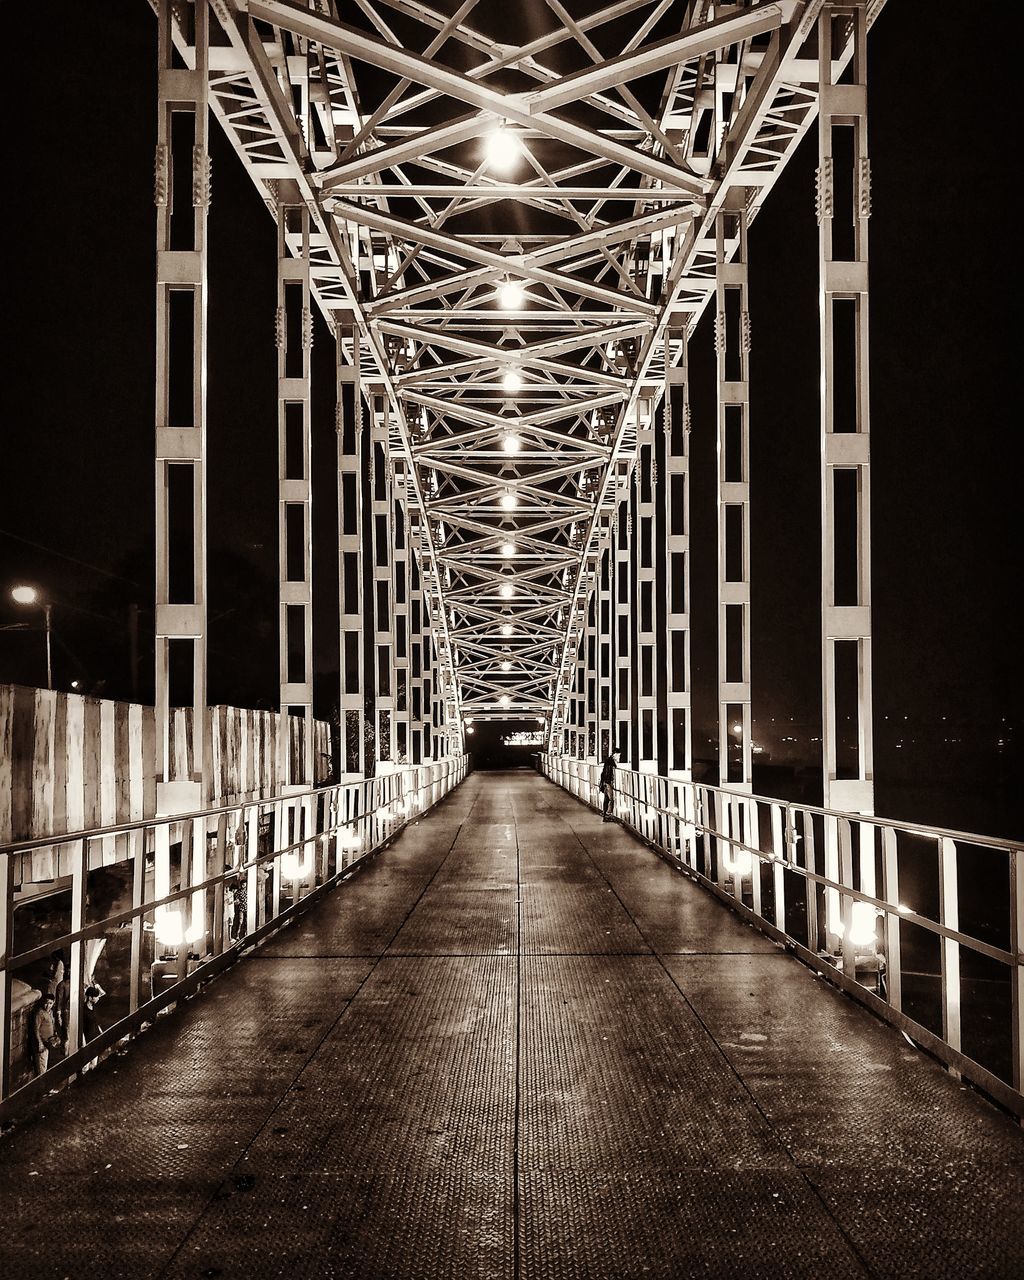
<point x="516" y="1043"/>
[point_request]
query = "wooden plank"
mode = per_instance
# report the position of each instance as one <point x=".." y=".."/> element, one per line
<point x="60" y="764"/>
<point x="6" y="762"/>
<point x="22" y="751"/>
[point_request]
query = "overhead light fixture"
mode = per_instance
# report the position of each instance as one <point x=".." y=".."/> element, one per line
<point x="511" y="295"/>
<point x="508" y="550"/>
<point x="511" y="443"/>
<point x="507" y="591"/>
<point x="504" y="700"/>
<point x="503" y="149"/>
<point x="512" y="380"/>
<point x="506" y="665"/>
<point x="509" y="500"/>
<point x="507" y="629"/>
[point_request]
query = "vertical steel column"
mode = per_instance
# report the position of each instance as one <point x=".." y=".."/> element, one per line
<point x="351" y="530"/>
<point x="383" y="583"/>
<point x="643" y="607"/>
<point x="181" y="306"/>
<point x="605" y="617"/>
<point x="843" y="208"/>
<point x="588" y="683"/>
<point x="415" y="695"/>
<point x="623" y="627"/>
<point x="400" y="627"/>
<point x="428" y="665"/>
<point x="294" y="333"/>
<point x="675" y="494"/>
<point x="732" y="348"/>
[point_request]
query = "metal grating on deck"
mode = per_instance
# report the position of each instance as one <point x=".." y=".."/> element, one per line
<point x="517" y="1044"/>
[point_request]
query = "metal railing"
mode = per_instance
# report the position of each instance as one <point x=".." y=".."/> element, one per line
<point x="146" y="911"/>
<point x="923" y="925"/>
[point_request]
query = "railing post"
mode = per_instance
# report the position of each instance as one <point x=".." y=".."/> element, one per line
<point x="781" y="832"/>
<point x="1017" y="972"/>
<point x="6" y="951"/>
<point x="138" y="848"/>
<point x="891" y="893"/>
<point x="949" y="916"/>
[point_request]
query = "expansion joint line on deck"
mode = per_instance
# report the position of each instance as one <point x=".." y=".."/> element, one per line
<point x="516" y="1261"/>
<point x="728" y="1062"/>
<point x="244" y="1155"/>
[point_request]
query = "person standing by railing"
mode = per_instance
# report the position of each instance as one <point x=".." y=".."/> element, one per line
<point x="44" y="1036"/>
<point x="607" y="785"/>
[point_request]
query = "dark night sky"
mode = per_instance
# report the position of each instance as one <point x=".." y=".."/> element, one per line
<point x="77" y="474"/>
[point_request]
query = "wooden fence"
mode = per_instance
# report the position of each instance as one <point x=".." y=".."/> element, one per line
<point x="69" y="762"/>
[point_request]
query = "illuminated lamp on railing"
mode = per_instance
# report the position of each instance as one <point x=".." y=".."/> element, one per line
<point x="862" y="926"/>
<point x="507" y="629"/>
<point x="169" y="931"/>
<point x="740" y="865"/>
<point x="511" y="380"/>
<point x="506" y="591"/>
<point x="295" y="868"/>
<point x="511" y="443"/>
<point x="508" y="550"/>
<point x="509" y="500"/>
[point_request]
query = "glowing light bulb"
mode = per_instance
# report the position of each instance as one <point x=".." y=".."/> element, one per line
<point x="503" y="149"/>
<point x="511" y="380"/>
<point x="507" y="629"/>
<point x="508" y="550"/>
<point x="503" y="701"/>
<point x="507" y="591"/>
<point x="511" y="443"/>
<point x="862" y="924"/>
<point x="506" y="666"/>
<point x="470" y="728"/>
<point x="741" y="865"/>
<point x="509" y="501"/>
<point x="511" y="295"/>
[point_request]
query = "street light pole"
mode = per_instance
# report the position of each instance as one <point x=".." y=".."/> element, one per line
<point x="48" y="611"/>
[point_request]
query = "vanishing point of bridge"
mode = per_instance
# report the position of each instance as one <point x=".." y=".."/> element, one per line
<point x="478" y="1033"/>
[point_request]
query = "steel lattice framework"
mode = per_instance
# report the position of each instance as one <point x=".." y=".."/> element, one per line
<point x="512" y="219"/>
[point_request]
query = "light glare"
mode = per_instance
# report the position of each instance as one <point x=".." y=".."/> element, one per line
<point x="511" y="295"/>
<point x="503" y="149"/>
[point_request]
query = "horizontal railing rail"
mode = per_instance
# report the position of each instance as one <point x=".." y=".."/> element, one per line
<point x="146" y="911"/>
<point x="924" y="925"/>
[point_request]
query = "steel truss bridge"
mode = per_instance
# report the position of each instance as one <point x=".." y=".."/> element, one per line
<point x="511" y="236"/>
